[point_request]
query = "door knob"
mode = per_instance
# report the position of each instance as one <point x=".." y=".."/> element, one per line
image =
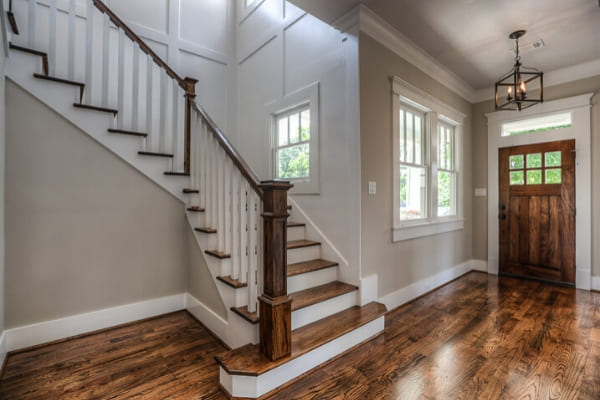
<point x="502" y="216"/>
<point x="502" y="207"/>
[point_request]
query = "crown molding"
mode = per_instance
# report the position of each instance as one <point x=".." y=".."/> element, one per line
<point x="380" y="30"/>
<point x="552" y="78"/>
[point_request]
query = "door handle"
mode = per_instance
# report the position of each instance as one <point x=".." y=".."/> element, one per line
<point x="502" y="216"/>
<point x="502" y="207"/>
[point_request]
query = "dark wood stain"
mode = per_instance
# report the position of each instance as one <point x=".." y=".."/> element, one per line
<point x="479" y="337"/>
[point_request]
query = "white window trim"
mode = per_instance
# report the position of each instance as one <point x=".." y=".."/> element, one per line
<point x="306" y="95"/>
<point x="404" y="92"/>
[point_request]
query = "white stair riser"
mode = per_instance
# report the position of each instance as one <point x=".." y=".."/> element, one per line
<point x="303" y="254"/>
<point x="311" y="279"/>
<point x="306" y="315"/>
<point x="256" y="386"/>
<point x="295" y="233"/>
<point x="239" y="295"/>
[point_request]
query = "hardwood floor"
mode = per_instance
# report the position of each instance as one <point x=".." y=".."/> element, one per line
<point x="479" y="337"/>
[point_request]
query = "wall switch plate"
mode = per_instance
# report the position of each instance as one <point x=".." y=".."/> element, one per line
<point x="480" y="192"/>
<point x="372" y="187"/>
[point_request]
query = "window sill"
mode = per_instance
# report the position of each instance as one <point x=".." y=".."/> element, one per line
<point x="407" y="232"/>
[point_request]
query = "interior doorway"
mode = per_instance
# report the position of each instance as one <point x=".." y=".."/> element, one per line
<point x="537" y="211"/>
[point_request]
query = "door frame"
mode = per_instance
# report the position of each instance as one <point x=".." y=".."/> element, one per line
<point x="580" y="130"/>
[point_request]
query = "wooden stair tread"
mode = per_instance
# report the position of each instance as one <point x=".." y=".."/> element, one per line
<point x="28" y="50"/>
<point x="195" y="209"/>
<point x="296" y="244"/>
<point x="218" y="254"/>
<point x="176" y="173"/>
<point x="96" y="108"/>
<point x="317" y="294"/>
<point x="126" y="132"/>
<point x="205" y="229"/>
<point x="292" y="224"/>
<point x="59" y="80"/>
<point x="234" y="283"/>
<point x="309" y="266"/>
<point x="151" y="153"/>
<point x="249" y="361"/>
<point x="189" y="191"/>
<point x="243" y="312"/>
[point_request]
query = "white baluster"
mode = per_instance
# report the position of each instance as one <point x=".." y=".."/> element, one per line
<point x="209" y="174"/>
<point x="149" y="84"/>
<point x="228" y="194"/>
<point x="71" y="40"/>
<point x="135" y="94"/>
<point x="105" y="58"/>
<point x="175" y="126"/>
<point x="203" y="184"/>
<point x="89" y="53"/>
<point x="32" y="17"/>
<point x="252" y="252"/>
<point x="164" y="105"/>
<point x="121" y="83"/>
<point x="243" y="210"/>
<point x="214" y="191"/>
<point x="52" y="38"/>
<point x="221" y="200"/>
<point x="235" y="224"/>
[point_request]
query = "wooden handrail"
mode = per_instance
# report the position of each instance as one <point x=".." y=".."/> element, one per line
<point x="237" y="159"/>
<point x="143" y="46"/>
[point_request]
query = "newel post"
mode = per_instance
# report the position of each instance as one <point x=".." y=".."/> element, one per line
<point x="275" y="305"/>
<point x="190" y="95"/>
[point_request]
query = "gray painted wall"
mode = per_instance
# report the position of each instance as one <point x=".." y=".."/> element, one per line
<point x="403" y="263"/>
<point x="84" y="230"/>
<point x="589" y="85"/>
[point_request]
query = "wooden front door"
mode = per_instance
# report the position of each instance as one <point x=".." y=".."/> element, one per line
<point x="537" y="211"/>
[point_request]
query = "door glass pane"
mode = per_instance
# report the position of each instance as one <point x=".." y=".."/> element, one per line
<point x="516" y="162"/>
<point x="294" y="128"/>
<point x="534" y="160"/>
<point x="553" y="176"/>
<point x="517" y="178"/>
<point x="553" y="159"/>
<point x="534" y="177"/>
<point x="413" y="186"/>
<point x="446" y="194"/>
<point x="292" y="162"/>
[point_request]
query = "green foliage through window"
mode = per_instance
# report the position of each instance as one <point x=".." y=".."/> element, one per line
<point x="517" y="178"/>
<point x="516" y="162"/>
<point x="553" y="159"/>
<point x="294" y="162"/>
<point x="553" y="176"/>
<point x="534" y="160"/>
<point x="534" y="177"/>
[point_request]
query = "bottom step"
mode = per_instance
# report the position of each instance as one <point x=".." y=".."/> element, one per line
<point x="245" y="372"/>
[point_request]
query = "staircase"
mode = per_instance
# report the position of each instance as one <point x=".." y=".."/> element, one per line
<point x="288" y="312"/>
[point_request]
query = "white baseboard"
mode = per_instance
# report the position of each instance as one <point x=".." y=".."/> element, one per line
<point x="208" y="317"/>
<point x="479" y="265"/>
<point x="412" y="291"/>
<point x="3" y="348"/>
<point x="595" y="282"/>
<point x="48" y="331"/>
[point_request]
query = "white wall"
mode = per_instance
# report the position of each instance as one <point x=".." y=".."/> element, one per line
<point x="281" y="49"/>
<point x="3" y="51"/>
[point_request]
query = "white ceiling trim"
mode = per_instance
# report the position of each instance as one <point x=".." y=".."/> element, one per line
<point x="552" y="78"/>
<point x="380" y="30"/>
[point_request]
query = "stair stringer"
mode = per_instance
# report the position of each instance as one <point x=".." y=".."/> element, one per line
<point x="60" y="98"/>
<point x="238" y="331"/>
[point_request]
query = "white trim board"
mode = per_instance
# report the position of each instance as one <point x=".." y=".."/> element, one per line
<point x="3" y="348"/>
<point x="419" y="288"/>
<point x="49" y="331"/>
<point x="579" y="106"/>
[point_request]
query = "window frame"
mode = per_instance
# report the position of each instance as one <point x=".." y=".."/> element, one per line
<point x="308" y="95"/>
<point x="404" y="94"/>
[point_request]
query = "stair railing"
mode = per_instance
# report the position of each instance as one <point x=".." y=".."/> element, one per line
<point x="149" y="95"/>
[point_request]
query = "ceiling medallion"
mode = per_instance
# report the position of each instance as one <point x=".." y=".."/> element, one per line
<point x="512" y="87"/>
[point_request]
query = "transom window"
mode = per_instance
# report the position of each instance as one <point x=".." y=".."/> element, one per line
<point x="535" y="168"/>
<point x="292" y="155"/>
<point x="537" y="124"/>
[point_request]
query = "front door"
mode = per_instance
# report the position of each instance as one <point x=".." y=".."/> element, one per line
<point x="537" y="211"/>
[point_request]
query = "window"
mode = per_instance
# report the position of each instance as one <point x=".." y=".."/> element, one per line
<point x="292" y="154"/>
<point x="537" y="124"/>
<point x="413" y="168"/>
<point x="447" y="172"/>
<point x="294" y="125"/>
<point x="427" y="158"/>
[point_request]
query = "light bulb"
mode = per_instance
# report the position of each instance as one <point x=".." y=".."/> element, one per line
<point x="522" y="86"/>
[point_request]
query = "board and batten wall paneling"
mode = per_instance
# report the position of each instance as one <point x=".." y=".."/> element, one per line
<point x="281" y="50"/>
<point x="480" y="163"/>
<point x="399" y="264"/>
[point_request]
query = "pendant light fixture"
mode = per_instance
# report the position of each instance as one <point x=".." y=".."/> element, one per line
<point x="512" y="88"/>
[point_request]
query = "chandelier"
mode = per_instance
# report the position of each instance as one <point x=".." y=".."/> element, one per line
<point x="511" y="88"/>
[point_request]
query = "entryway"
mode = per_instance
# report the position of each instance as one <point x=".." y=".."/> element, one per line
<point x="537" y="211"/>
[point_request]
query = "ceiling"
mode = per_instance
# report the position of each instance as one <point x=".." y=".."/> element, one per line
<point x="470" y="37"/>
